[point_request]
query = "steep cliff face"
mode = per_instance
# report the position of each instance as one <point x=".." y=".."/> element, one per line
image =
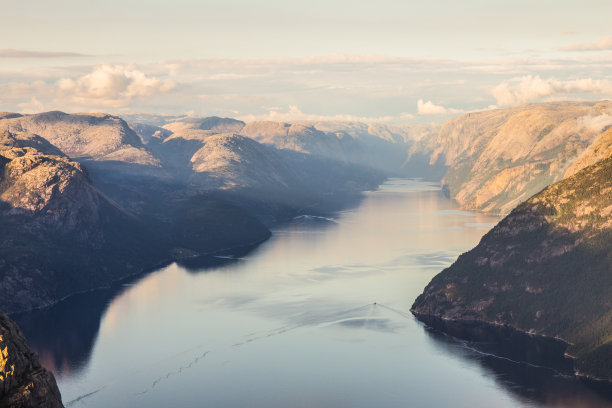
<point x="544" y="269"/>
<point x="23" y="382"/>
<point x="499" y="158"/>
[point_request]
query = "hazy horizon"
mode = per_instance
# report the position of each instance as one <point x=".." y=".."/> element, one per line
<point x="389" y="62"/>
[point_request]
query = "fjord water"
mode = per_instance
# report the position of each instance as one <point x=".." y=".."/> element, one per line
<point x="318" y="316"/>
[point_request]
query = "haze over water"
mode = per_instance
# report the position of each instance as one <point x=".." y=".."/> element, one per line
<point x="318" y="316"/>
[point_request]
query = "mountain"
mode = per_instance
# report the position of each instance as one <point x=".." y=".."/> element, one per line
<point x="380" y="146"/>
<point x="544" y="269"/>
<point x="285" y="165"/>
<point x="93" y="136"/>
<point x="212" y="123"/>
<point x="79" y="209"/>
<point x="493" y="160"/>
<point x="236" y="161"/>
<point x="386" y="146"/>
<point x="23" y="382"/>
<point x="62" y="235"/>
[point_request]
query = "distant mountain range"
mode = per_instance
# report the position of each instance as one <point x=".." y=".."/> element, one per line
<point x="494" y="160"/>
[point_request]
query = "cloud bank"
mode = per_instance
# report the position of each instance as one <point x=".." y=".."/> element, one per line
<point x="334" y="87"/>
<point x="294" y="114"/>
<point x="529" y="88"/>
<point x="105" y="86"/>
<point x="430" y="108"/>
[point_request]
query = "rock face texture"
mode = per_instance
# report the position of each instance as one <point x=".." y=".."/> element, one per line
<point x="544" y="269"/>
<point x="23" y="382"/>
<point x="497" y="159"/>
<point x="95" y="136"/>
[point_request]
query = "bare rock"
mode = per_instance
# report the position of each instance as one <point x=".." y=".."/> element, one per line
<point x="24" y="383"/>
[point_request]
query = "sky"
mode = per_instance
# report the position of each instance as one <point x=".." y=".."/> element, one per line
<point x="385" y="61"/>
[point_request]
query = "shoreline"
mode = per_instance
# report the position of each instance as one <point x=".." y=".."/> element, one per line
<point x="351" y="199"/>
<point x="464" y="326"/>
<point x="143" y="272"/>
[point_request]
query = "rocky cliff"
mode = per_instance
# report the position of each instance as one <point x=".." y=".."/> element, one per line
<point x="23" y="382"/>
<point x="498" y="158"/>
<point x="544" y="269"/>
<point x="95" y="136"/>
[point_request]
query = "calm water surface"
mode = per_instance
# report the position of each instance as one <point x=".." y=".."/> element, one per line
<point x="294" y="323"/>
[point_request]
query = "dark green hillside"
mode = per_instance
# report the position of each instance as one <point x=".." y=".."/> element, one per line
<point x="546" y="269"/>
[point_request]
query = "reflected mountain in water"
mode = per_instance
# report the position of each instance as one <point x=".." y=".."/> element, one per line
<point x="532" y="368"/>
<point x="64" y="334"/>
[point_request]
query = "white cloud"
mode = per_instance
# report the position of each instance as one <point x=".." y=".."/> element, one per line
<point x="31" y="106"/>
<point x="112" y="85"/>
<point x="528" y="88"/>
<point x="337" y="85"/>
<point x="294" y="114"/>
<point x="430" y="108"/>
<point x="602" y="44"/>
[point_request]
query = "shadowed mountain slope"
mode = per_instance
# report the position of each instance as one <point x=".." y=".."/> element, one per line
<point x="544" y="269"/>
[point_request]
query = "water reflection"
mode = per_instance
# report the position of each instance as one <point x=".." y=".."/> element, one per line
<point x="532" y="384"/>
<point x="64" y="335"/>
<point x="316" y="316"/>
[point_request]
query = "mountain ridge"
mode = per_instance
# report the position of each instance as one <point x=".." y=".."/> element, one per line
<point x="495" y="159"/>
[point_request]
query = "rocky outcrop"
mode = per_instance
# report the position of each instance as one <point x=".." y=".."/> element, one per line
<point x="23" y="382"/>
<point x="93" y="136"/>
<point x="497" y="159"/>
<point x="544" y="269"/>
